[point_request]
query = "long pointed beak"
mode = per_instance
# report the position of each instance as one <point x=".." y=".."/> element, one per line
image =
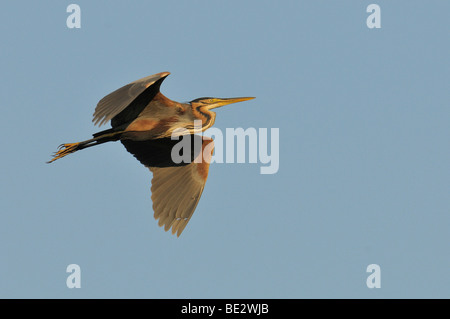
<point x="221" y="102"/>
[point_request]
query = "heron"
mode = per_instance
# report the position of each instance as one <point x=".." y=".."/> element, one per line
<point x="145" y="122"/>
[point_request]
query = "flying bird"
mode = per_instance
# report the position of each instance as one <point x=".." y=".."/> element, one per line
<point x="145" y="121"/>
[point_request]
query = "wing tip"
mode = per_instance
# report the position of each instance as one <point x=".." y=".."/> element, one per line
<point x="176" y="226"/>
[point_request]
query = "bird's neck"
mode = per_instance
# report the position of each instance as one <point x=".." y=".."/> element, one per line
<point x="204" y="115"/>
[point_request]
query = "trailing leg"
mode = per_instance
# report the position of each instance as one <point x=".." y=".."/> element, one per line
<point x="69" y="148"/>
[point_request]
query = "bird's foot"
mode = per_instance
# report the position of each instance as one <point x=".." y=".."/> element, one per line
<point x="63" y="150"/>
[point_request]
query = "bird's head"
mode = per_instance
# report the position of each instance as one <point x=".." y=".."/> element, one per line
<point x="201" y="109"/>
<point x="209" y="103"/>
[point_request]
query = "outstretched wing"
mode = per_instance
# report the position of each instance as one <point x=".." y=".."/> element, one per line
<point x="176" y="187"/>
<point x="176" y="191"/>
<point x="117" y="101"/>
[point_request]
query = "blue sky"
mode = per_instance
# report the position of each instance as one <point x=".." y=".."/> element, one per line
<point x="363" y="175"/>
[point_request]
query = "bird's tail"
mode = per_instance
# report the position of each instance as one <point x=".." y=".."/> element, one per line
<point x="99" y="138"/>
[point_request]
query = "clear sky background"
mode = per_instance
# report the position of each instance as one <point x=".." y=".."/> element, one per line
<point x="364" y="177"/>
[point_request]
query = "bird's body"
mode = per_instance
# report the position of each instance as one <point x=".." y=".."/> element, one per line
<point x="145" y="121"/>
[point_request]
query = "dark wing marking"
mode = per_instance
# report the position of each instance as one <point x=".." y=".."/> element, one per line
<point x="158" y="152"/>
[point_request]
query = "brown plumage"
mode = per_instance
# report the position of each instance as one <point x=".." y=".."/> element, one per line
<point x="144" y="120"/>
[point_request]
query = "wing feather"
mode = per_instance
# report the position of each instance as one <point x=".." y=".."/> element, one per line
<point x="176" y="188"/>
<point x="170" y="187"/>
<point x="175" y="202"/>
<point x="115" y="102"/>
<point x="176" y="191"/>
